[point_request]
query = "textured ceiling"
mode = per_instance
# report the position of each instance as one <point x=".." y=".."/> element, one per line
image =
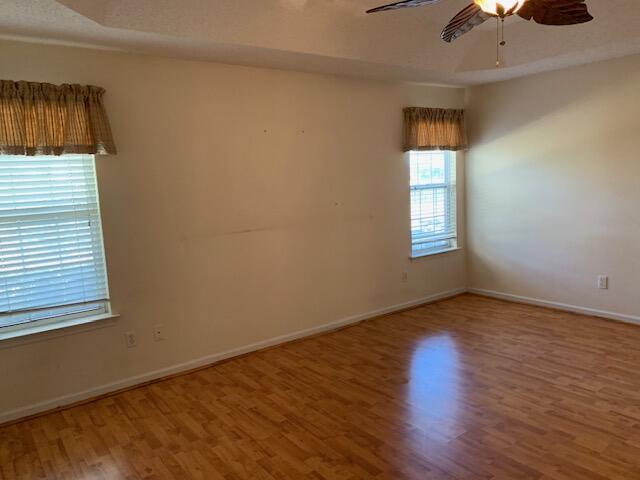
<point x="329" y="36"/>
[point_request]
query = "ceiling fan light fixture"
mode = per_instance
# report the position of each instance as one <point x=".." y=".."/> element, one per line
<point x="500" y="7"/>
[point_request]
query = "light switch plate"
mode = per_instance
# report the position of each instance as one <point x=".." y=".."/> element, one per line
<point x="603" y="282"/>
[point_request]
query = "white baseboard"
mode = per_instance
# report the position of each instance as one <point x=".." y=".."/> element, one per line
<point x="557" y="305"/>
<point x="72" y="398"/>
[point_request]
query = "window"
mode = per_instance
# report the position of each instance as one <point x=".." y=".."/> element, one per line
<point x="52" y="265"/>
<point x="433" y="202"/>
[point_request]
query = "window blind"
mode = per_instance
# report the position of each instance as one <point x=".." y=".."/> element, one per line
<point x="51" y="253"/>
<point x="433" y="201"/>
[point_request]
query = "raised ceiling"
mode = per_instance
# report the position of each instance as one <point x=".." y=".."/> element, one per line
<point x="328" y="36"/>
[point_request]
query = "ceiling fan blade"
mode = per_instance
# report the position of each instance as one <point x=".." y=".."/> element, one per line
<point x="470" y="17"/>
<point x="556" y="12"/>
<point x="403" y="4"/>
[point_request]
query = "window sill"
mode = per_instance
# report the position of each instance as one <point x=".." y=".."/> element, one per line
<point x="55" y="329"/>
<point x="415" y="258"/>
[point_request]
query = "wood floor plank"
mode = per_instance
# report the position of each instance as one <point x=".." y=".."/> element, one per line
<point x="468" y="388"/>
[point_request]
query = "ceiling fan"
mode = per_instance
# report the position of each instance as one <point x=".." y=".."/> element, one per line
<point x="545" y="12"/>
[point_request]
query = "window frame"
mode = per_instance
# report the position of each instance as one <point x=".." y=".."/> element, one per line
<point x="450" y="186"/>
<point x="58" y="318"/>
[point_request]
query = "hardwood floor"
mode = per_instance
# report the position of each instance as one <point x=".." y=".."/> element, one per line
<point x="468" y="388"/>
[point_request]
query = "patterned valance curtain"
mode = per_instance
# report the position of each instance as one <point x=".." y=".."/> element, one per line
<point x="45" y="119"/>
<point x="434" y="129"/>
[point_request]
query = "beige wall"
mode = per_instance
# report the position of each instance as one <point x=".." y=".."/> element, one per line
<point x="553" y="186"/>
<point x="244" y="204"/>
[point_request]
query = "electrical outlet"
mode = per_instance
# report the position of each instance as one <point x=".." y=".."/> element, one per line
<point x="405" y="277"/>
<point x="130" y="339"/>
<point x="158" y="333"/>
<point x="603" y="282"/>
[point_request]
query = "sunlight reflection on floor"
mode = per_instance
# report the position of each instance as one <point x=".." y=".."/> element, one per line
<point x="435" y="387"/>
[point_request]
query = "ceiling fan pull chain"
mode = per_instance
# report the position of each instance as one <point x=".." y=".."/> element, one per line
<point x="497" y="42"/>
<point x="500" y="41"/>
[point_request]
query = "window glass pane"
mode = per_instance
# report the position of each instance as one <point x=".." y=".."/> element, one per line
<point x="427" y="168"/>
<point x="428" y="215"/>
<point x="51" y="252"/>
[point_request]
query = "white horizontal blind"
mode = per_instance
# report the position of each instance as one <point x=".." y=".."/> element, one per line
<point x="433" y="201"/>
<point x="51" y="253"/>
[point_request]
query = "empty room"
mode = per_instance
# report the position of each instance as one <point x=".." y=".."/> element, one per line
<point x="319" y="239"/>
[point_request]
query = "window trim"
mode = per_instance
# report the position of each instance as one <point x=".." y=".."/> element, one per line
<point x="57" y="330"/>
<point x="415" y="256"/>
<point x="435" y="253"/>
